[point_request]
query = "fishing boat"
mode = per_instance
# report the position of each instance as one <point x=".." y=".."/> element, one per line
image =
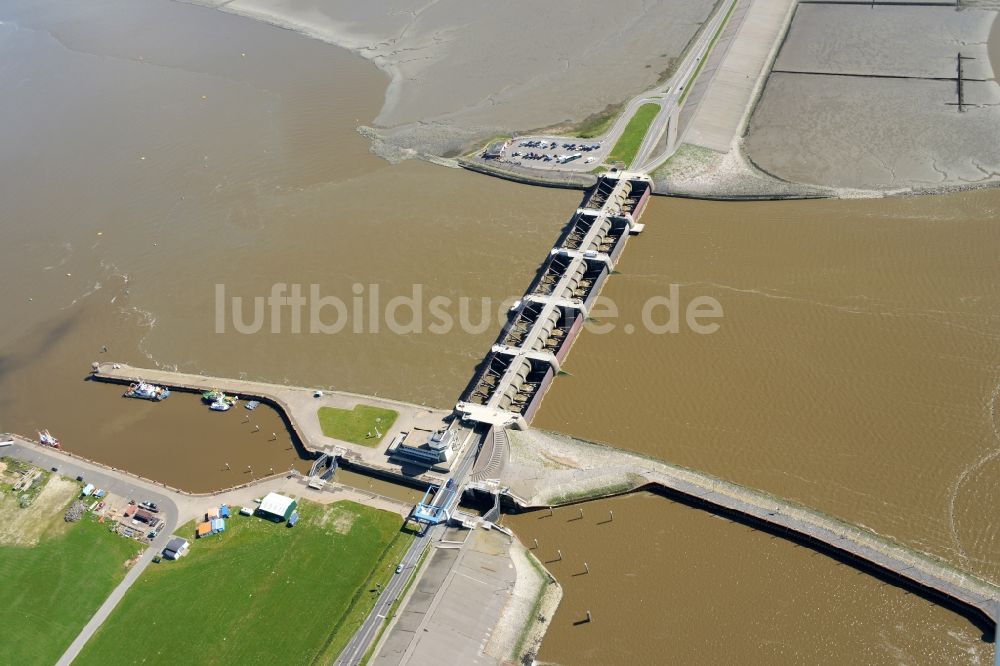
<point x="145" y="391"/>
<point x="215" y="395"/>
<point x="220" y="406"/>
<point x="46" y="438"/>
<point x="212" y="396"/>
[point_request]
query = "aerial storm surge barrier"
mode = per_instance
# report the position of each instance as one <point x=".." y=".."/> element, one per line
<point x="509" y="385"/>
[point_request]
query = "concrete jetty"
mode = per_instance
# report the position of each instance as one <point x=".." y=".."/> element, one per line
<point x="552" y="470"/>
<point x="299" y="408"/>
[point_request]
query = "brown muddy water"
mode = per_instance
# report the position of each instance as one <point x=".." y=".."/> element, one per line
<point x="182" y="431"/>
<point x="669" y="584"/>
<point x="855" y="370"/>
<point x="856" y="367"/>
<point x="377" y="486"/>
<point x="144" y="167"/>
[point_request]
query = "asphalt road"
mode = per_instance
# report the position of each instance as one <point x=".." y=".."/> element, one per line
<point x="667" y="97"/>
<point x="355" y="650"/>
<point x="116" y="484"/>
<point x="673" y="91"/>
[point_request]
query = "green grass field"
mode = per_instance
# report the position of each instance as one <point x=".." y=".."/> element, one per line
<point x="353" y="425"/>
<point x="259" y="593"/>
<point x="597" y="124"/>
<point x="630" y="140"/>
<point x="50" y="590"/>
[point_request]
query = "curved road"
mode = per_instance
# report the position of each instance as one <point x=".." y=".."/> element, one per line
<point x="668" y="96"/>
<point x="674" y="91"/>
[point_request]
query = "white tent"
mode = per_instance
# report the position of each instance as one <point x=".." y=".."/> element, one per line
<point x="277" y="506"/>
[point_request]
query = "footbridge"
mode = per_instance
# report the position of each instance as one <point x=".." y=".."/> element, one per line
<point x="516" y="373"/>
<point x="437" y="505"/>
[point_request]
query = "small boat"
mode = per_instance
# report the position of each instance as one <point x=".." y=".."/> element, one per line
<point x="215" y="395"/>
<point x="145" y="391"/>
<point x="46" y="438"/>
<point x="212" y="396"/>
<point x="220" y="406"/>
<point x="252" y="405"/>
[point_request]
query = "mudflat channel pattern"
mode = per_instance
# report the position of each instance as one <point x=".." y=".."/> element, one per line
<point x="866" y="97"/>
<point x="855" y="370"/>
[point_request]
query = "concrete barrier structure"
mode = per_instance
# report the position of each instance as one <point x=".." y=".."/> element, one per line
<point x="520" y="367"/>
<point x="529" y="481"/>
<point x="526" y="176"/>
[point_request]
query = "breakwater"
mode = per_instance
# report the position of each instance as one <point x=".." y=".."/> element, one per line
<point x="298" y="407"/>
<point x="548" y="470"/>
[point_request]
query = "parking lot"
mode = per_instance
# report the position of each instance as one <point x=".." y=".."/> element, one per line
<point x="554" y="153"/>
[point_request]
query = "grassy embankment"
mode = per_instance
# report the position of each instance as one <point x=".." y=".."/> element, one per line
<point x="597" y="124"/>
<point x="631" y="138"/>
<point x="52" y="588"/>
<point x="600" y="492"/>
<point x="354" y="425"/>
<point x="259" y="593"/>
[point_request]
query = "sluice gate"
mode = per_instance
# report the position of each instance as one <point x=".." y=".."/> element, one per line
<point x="542" y="326"/>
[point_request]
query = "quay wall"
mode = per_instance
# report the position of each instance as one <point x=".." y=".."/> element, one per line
<point x="176" y="382"/>
<point x="158" y="484"/>
<point x="308" y="446"/>
<point x="561" y="179"/>
<point x="415" y="482"/>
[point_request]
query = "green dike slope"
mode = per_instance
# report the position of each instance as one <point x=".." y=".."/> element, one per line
<point x="631" y="138"/>
<point x="259" y="593"/>
<point x="51" y="590"/>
